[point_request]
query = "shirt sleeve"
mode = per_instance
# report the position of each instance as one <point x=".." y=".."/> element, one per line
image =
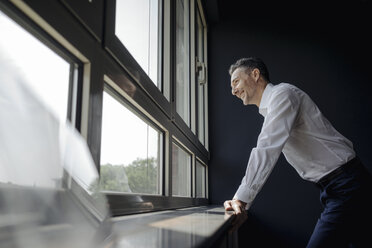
<point x="282" y="112"/>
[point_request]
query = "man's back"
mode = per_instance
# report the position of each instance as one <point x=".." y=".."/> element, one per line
<point x="314" y="147"/>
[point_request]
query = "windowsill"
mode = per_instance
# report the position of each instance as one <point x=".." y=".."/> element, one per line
<point x="187" y="227"/>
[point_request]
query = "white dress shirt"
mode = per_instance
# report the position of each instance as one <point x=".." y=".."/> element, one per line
<point x="295" y="126"/>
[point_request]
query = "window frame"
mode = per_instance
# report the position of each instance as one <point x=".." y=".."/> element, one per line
<point x="102" y="58"/>
<point x="179" y="144"/>
<point x="199" y="11"/>
<point x="187" y="130"/>
<point x="121" y="54"/>
<point x="124" y="100"/>
<point x="121" y="203"/>
<point x="205" y="178"/>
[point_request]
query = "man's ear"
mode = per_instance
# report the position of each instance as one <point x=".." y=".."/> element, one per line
<point x="256" y="74"/>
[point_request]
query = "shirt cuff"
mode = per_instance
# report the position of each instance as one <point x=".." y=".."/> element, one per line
<point x="245" y="194"/>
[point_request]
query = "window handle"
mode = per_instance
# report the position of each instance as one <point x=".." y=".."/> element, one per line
<point x="201" y="70"/>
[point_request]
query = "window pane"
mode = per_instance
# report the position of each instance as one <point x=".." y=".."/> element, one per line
<point x="182" y="60"/>
<point x="33" y="99"/>
<point x="200" y="179"/>
<point x="137" y="24"/>
<point x="201" y="114"/>
<point x="199" y="38"/>
<point x="181" y="172"/>
<point x="130" y="150"/>
<point x="45" y="72"/>
<point x="199" y="76"/>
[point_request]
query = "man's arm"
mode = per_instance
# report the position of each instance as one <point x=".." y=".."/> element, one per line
<point x="282" y="113"/>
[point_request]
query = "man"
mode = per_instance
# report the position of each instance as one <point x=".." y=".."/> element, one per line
<point x="294" y="125"/>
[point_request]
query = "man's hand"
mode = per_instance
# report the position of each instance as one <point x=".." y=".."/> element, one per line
<point x="239" y="211"/>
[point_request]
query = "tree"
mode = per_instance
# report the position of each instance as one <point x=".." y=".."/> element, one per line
<point x="114" y="178"/>
<point x="143" y="176"/>
<point x="140" y="176"/>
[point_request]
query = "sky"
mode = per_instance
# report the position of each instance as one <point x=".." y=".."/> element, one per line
<point x="125" y="137"/>
<point x="44" y="70"/>
<point x="137" y="28"/>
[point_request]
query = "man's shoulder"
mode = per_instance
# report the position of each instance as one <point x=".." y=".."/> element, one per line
<point x="285" y="92"/>
<point x="284" y="86"/>
<point x="286" y="89"/>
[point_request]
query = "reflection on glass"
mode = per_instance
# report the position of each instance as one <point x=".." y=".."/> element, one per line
<point x="137" y="24"/>
<point x="200" y="179"/>
<point x="49" y="87"/>
<point x="130" y="150"/>
<point x="182" y="60"/>
<point x="46" y="174"/>
<point x="45" y="72"/>
<point x="181" y="172"/>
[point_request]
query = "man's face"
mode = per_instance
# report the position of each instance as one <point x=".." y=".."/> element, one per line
<point x="243" y="85"/>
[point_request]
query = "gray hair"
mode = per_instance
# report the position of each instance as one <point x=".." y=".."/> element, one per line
<point x="251" y="63"/>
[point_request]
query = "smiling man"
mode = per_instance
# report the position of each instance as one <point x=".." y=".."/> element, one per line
<point x="295" y="126"/>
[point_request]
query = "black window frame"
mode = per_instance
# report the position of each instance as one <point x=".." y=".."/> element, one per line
<point x="132" y="108"/>
<point x="101" y="56"/>
<point x="122" y="203"/>
<point x="121" y="54"/>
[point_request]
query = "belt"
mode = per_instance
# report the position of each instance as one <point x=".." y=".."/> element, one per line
<point x="324" y="181"/>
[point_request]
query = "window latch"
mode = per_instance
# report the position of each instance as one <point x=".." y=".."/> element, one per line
<point x="201" y="71"/>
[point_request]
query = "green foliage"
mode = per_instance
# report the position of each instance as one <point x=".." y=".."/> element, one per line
<point x="141" y="176"/>
<point x="113" y="178"/>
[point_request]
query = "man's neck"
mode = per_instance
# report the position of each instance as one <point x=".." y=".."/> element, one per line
<point x="260" y="90"/>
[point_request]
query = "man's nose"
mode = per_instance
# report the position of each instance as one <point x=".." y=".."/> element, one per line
<point x="234" y="91"/>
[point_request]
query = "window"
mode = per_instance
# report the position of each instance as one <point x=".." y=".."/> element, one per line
<point x="201" y="74"/>
<point x="181" y="171"/>
<point x="200" y="179"/>
<point x="46" y="73"/>
<point x="182" y="60"/>
<point x="137" y="27"/>
<point x="130" y="150"/>
<point x="52" y="83"/>
<point x="141" y="100"/>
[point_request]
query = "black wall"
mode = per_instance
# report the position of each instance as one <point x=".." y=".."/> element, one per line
<point x="326" y="53"/>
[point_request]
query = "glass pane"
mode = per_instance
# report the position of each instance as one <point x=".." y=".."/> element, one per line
<point x="199" y="77"/>
<point x="201" y="107"/>
<point x="182" y="60"/>
<point x="45" y="72"/>
<point x="48" y="196"/>
<point x="200" y="179"/>
<point x="130" y="150"/>
<point x="199" y="38"/>
<point x="136" y="26"/>
<point x="181" y="172"/>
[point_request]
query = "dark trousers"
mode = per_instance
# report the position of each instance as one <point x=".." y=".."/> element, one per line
<point x="346" y="220"/>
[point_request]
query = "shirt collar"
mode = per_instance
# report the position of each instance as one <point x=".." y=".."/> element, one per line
<point x="265" y="99"/>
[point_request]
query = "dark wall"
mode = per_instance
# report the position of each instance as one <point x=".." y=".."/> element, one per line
<point x="329" y="58"/>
